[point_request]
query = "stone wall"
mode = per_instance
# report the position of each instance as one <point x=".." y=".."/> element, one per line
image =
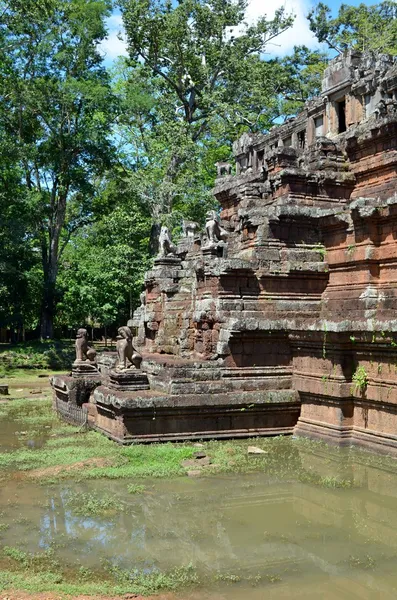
<point x="302" y="297"/>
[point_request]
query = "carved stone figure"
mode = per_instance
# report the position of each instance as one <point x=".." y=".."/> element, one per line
<point x="189" y="228"/>
<point x="223" y="169"/>
<point x="128" y="358"/>
<point x="166" y="247"/>
<point x="83" y="351"/>
<point x="215" y="233"/>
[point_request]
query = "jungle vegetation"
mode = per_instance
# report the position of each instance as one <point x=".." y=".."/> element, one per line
<point x="93" y="159"/>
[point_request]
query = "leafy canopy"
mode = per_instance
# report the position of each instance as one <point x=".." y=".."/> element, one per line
<point x="358" y="27"/>
<point x="56" y="103"/>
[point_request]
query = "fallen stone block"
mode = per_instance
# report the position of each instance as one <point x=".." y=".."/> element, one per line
<point x="255" y="451"/>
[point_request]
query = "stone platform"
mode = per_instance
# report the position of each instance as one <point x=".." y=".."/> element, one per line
<point x="154" y="417"/>
<point x="129" y="380"/>
<point x="187" y="400"/>
<point x="280" y="315"/>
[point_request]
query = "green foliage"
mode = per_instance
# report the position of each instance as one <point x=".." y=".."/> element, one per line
<point x="202" y="71"/>
<point x="91" y="504"/>
<point x="115" y="581"/>
<point x="103" y="269"/>
<point x="92" y="162"/>
<point x="135" y="488"/>
<point x="37" y="355"/>
<point x="33" y="562"/>
<point x="191" y="87"/>
<point x="18" y="259"/>
<point x="179" y="578"/>
<point x="56" y="106"/>
<point x="360" y="380"/>
<point x="359" y="27"/>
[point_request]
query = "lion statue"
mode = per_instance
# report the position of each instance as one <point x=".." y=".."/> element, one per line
<point x="166" y="247"/>
<point x="83" y="351"/>
<point x="128" y="357"/>
<point x="215" y="233"/>
<point x="189" y="229"/>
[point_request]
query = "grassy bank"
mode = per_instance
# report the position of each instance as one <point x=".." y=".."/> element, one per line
<point x="53" y="355"/>
<point x="69" y="453"/>
<point x="67" y="446"/>
<point x="42" y="573"/>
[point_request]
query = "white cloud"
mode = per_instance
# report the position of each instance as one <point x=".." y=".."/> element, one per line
<point x="114" y="44"/>
<point x="297" y="35"/>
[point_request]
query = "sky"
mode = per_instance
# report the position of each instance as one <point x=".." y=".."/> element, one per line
<point x="299" y="34"/>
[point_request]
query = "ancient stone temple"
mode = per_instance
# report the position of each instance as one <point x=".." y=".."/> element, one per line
<point x="280" y="317"/>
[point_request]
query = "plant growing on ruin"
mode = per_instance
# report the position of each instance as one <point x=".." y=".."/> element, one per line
<point x="360" y="380"/>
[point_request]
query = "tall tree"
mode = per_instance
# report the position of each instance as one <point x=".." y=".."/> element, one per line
<point x="18" y="258"/>
<point x="204" y="75"/>
<point x="102" y="269"/>
<point x="56" y="103"/>
<point x="360" y="27"/>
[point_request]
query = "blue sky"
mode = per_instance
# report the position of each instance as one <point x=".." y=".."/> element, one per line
<point x="299" y="34"/>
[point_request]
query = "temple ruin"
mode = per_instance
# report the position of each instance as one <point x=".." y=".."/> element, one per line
<point x="281" y="317"/>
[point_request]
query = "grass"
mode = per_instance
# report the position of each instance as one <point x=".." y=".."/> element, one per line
<point x="67" y="453"/>
<point x="65" y="445"/>
<point x="134" y="488"/>
<point x="35" y="355"/>
<point x="285" y="459"/>
<point x="93" y="504"/>
<point x="42" y="573"/>
<point x="30" y="413"/>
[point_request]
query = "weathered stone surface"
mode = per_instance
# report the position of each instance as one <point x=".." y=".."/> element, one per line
<point x="85" y="363"/>
<point x="289" y="297"/>
<point x="129" y="379"/>
<point x="255" y="451"/>
<point x="71" y="391"/>
<point x="127" y="356"/>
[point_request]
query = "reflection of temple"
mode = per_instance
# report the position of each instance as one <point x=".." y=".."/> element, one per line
<point x="305" y="536"/>
<point x="281" y="316"/>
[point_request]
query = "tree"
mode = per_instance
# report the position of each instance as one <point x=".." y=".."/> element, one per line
<point x="358" y="27"/>
<point x="301" y="74"/>
<point x="18" y="259"/>
<point x="201" y="82"/>
<point x="102" y="269"/>
<point x="57" y="104"/>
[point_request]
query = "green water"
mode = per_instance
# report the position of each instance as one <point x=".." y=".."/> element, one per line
<point x="248" y="537"/>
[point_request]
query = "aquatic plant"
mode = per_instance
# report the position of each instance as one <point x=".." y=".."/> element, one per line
<point x="92" y="504"/>
<point x="135" y="488"/>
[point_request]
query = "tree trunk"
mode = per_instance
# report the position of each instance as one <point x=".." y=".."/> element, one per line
<point x="154" y="238"/>
<point x="50" y="258"/>
<point x="165" y="204"/>
<point x="47" y="311"/>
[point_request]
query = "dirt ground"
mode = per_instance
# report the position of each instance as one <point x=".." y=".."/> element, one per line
<point x="50" y="596"/>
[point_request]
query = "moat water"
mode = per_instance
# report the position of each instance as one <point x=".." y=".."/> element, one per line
<point x="248" y="536"/>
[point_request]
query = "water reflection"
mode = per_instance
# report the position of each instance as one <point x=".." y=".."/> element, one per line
<point x="250" y="533"/>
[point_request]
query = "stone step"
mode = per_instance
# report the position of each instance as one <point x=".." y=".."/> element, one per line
<point x="231" y="385"/>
